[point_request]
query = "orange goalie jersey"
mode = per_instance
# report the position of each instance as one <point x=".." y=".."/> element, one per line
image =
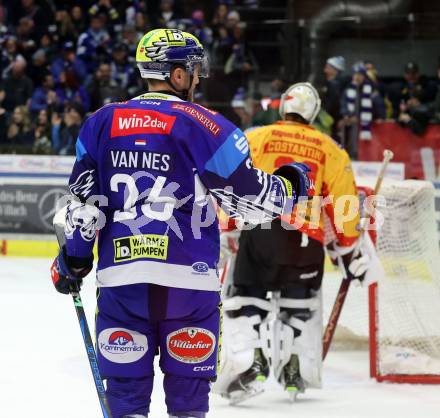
<point x="333" y="186"/>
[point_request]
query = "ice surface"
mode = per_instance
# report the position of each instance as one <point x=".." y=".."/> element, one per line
<point x="44" y="370"/>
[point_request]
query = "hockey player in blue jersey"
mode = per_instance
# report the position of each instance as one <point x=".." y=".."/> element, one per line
<point x="145" y="175"/>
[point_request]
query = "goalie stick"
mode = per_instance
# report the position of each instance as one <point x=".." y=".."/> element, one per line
<point x="345" y="284"/>
<point x="58" y="224"/>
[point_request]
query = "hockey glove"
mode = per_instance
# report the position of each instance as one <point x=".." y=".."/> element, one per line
<point x="297" y="174"/>
<point x="67" y="272"/>
<point x="353" y="260"/>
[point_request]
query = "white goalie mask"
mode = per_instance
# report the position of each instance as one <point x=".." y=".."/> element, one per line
<point x="303" y="99"/>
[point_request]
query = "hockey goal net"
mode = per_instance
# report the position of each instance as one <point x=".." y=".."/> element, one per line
<point x="398" y="319"/>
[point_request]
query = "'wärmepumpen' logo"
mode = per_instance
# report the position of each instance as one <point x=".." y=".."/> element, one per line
<point x="141" y="246"/>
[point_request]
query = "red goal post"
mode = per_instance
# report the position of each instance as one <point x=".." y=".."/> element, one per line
<point x="373" y="346"/>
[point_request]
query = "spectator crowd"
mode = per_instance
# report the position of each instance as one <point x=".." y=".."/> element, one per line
<point x="61" y="60"/>
<point x="353" y="103"/>
<point x="352" y="100"/>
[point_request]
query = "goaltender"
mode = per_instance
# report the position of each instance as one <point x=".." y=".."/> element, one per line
<point x="287" y="255"/>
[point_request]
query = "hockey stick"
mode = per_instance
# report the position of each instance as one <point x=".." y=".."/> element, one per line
<point x="58" y="224"/>
<point x="345" y="284"/>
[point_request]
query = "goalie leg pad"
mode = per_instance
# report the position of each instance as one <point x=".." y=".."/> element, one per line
<point x="237" y="355"/>
<point x="308" y="342"/>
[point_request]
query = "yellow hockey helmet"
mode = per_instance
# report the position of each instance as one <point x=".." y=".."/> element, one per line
<point x="161" y="49"/>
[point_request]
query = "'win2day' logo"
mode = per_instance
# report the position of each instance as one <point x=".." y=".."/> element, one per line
<point x="128" y="122"/>
<point x="140" y="246"/>
<point x="121" y="345"/>
<point x="191" y="345"/>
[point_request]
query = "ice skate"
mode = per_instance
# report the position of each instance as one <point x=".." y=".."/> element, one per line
<point x="249" y="383"/>
<point x="293" y="382"/>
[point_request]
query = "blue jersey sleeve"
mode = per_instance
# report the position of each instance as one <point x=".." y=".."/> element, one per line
<point x="221" y="154"/>
<point x="83" y="209"/>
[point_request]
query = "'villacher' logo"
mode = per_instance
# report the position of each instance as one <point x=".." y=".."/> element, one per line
<point x="191" y="345"/>
<point x="121" y="345"/>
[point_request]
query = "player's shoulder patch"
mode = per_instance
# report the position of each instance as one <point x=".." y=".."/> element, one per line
<point x="233" y="151"/>
<point x="200" y="115"/>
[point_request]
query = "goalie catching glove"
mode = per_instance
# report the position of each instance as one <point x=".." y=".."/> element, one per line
<point x="67" y="272"/>
<point x="353" y="261"/>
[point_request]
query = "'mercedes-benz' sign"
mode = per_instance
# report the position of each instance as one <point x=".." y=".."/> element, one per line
<point x="30" y="186"/>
